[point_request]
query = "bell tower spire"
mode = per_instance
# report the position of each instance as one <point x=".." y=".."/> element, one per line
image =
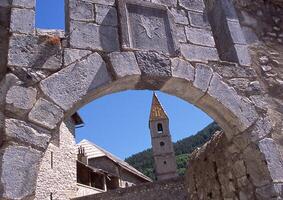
<point x="162" y="146"/>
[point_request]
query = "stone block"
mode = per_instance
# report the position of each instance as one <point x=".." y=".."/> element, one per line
<point x="199" y="53"/>
<point x="180" y="16"/>
<point x="154" y="27"/>
<point x="106" y="15"/>
<point x="74" y="55"/>
<point x="236" y="32"/>
<point x="171" y="3"/>
<point x="7" y="82"/>
<point x="81" y="10"/>
<point x="232" y="70"/>
<point x="153" y="64"/>
<point x="181" y="35"/>
<point x="95" y="37"/>
<point x="182" y="69"/>
<point x="103" y="2"/>
<point x="228" y="97"/>
<point x="203" y="77"/>
<point x="46" y="114"/>
<point x="194" y="5"/>
<point x="34" y="52"/>
<point x="21" y="181"/>
<point x="5" y="3"/>
<point x="243" y="55"/>
<point x="200" y="37"/>
<point x="22" y="21"/>
<point x="68" y="86"/>
<point x="273" y="158"/>
<point x="257" y="168"/>
<point x="198" y="20"/>
<point x="24" y="3"/>
<point x="20" y="100"/>
<point x="24" y="132"/>
<point x="124" y="64"/>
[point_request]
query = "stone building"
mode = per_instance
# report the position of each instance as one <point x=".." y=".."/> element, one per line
<point x="101" y="171"/>
<point x="162" y="146"/>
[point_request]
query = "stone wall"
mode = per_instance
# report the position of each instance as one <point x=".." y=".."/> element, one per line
<point x="57" y="175"/>
<point x="167" y="45"/>
<point x="165" y="190"/>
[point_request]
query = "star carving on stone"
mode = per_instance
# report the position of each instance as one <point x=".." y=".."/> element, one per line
<point x="149" y="27"/>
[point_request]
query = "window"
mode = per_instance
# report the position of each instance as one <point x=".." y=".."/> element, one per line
<point x="162" y="144"/>
<point x="164" y="162"/>
<point x="159" y="128"/>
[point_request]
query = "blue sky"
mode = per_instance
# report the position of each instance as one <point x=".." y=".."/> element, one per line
<point x="119" y="122"/>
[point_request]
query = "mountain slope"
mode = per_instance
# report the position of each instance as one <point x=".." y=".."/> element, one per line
<point x="143" y="161"/>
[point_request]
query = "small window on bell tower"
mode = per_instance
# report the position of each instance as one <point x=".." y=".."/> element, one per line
<point x="159" y="128"/>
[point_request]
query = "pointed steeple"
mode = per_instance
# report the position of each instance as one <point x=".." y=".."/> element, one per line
<point x="157" y="112"/>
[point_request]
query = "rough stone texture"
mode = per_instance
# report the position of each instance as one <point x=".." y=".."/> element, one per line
<point x="195" y="5"/>
<point x="73" y="55"/>
<point x="81" y="10"/>
<point x="25" y="133"/>
<point x="182" y="69"/>
<point x="154" y="64"/>
<point x="20" y="100"/>
<point x="199" y="53"/>
<point x="166" y="190"/>
<point x="68" y="86"/>
<point x="95" y="37"/>
<point x="24" y="3"/>
<point x="22" y="21"/>
<point x="8" y="81"/>
<point x="20" y="182"/>
<point x="35" y="52"/>
<point x="60" y="180"/>
<point x="106" y="15"/>
<point x="46" y="114"/>
<point x="124" y="64"/>
<point x="268" y="147"/>
<point x="246" y="101"/>
<point x="200" y="37"/>
<point x="202" y="77"/>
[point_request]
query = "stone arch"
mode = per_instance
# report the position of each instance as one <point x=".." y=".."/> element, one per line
<point x="50" y="76"/>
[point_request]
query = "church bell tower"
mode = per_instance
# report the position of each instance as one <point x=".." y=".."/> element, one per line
<point x="162" y="146"/>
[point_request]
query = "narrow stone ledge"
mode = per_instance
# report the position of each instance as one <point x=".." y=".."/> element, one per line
<point x="22" y="131"/>
<point x="46" y="114"/>
<point x="22" y="21"/>
<point x="20" y="100"/>
<point x="21" y="181"/>
<point x="68" y="86"/>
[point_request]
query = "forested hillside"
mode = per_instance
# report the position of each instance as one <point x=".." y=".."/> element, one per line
<point x="143" y="161"/>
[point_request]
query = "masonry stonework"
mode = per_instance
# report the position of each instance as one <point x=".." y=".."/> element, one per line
<point x="223" y="56"/>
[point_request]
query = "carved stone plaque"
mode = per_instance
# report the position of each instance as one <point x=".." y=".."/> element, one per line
<point x="147" y="26"/>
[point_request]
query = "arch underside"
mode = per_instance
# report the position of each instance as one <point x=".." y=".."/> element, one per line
<point x="152" y="46"/>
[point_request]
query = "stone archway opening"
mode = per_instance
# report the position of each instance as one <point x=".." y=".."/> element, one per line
<point x="128" y="44"/>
